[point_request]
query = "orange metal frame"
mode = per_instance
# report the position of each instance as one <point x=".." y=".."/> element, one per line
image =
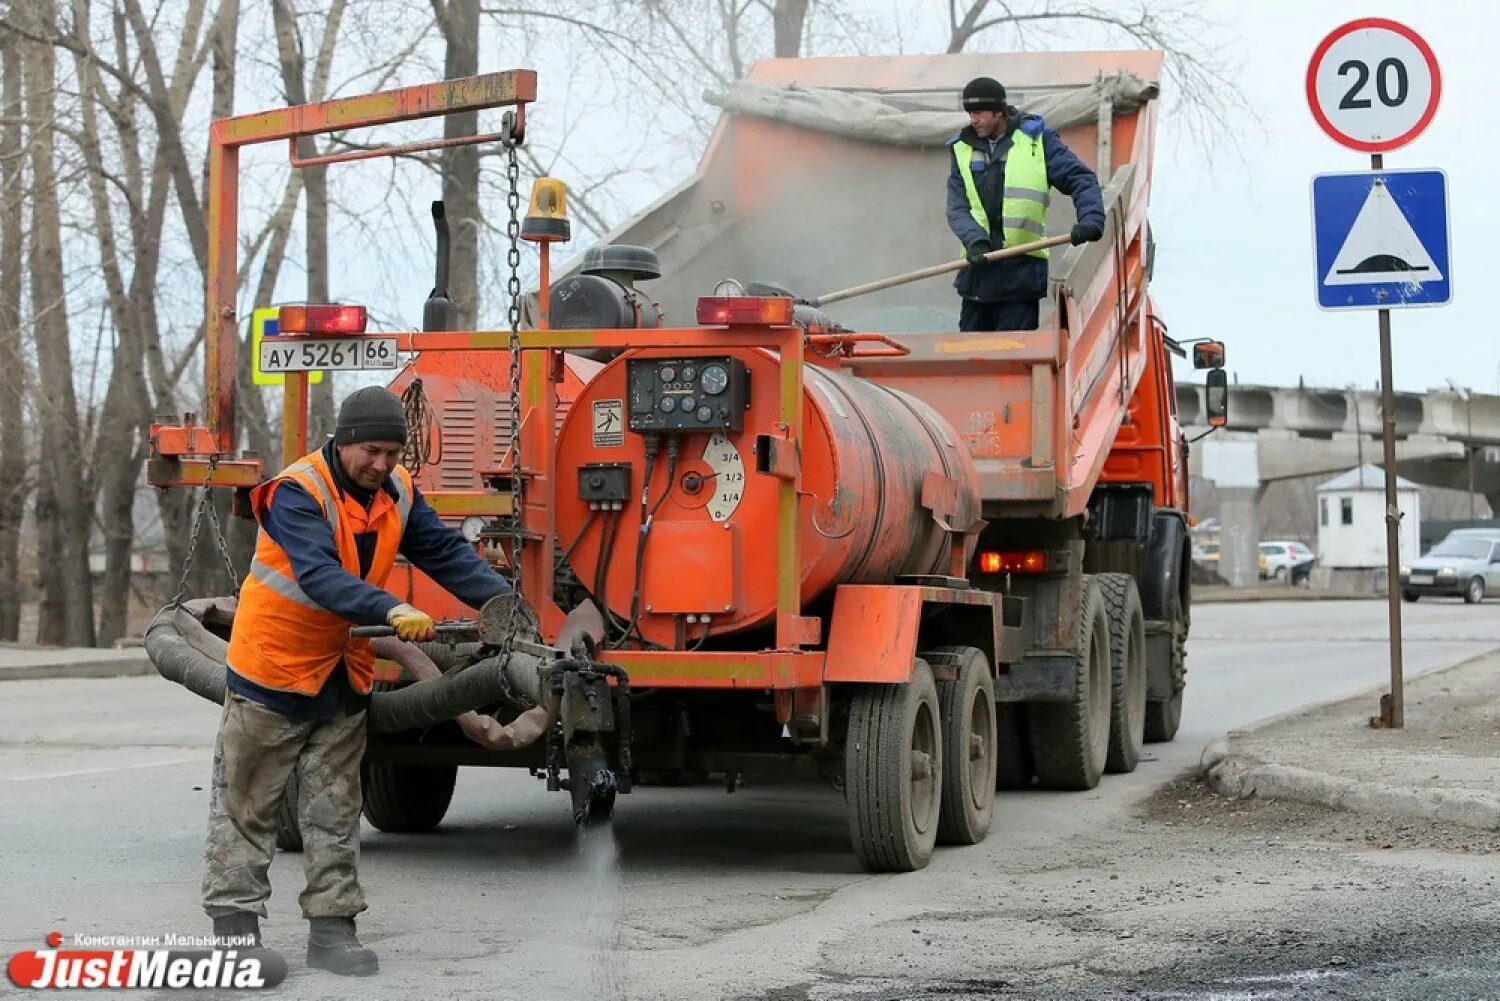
<point x="171" y="443"/>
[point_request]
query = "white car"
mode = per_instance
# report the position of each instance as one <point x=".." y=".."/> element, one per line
<point x="1286" y="561"/>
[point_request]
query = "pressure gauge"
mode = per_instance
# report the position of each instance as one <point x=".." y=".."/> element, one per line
<point x="688" y="373"/>
<point x="668" y="373"/>
<point x="727" y="287"/>
<point x="471" y="527"/>
<point x="668" y="404"/>
<point x="689" y="402"/>
<point x="715" y="379"/>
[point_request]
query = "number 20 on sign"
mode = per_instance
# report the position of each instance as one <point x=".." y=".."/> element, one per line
<point x="1373" y="85"/>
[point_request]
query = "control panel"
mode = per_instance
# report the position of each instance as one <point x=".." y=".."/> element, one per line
<point x="688" y="394"/>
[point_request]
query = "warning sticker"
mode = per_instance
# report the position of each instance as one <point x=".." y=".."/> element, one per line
<point x="609" y="423"/>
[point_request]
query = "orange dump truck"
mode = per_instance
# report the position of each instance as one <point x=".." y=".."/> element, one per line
<point x="849" y="543"/>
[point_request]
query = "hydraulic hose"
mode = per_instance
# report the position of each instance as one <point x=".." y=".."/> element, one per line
<point x="186" y="651"/>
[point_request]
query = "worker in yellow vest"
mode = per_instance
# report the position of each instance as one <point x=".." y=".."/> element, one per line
<point x="331" y="526"/>
<point x="1005" y="165"/>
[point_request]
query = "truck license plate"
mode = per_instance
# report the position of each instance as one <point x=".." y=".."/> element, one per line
<point x="1421" y="578"/>
<point x="310" y="354"/>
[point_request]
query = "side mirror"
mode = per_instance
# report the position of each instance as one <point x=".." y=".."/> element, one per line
<point x="1216" y="397"/>
<point x="1208" y="354"/>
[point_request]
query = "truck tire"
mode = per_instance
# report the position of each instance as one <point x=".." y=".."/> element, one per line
<point x="966" y="707"/>
<point x="1070" y="740"/>
<point x="1127" y="658"/>
<point x="1013" y="767"/>
<point x="289" y="828"/>
<point x="1163" y="716"/>
<point x="407" y="799"/>
<point x="893" y="772"/>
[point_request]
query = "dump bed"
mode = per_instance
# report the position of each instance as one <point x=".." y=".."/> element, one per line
<point x="827" y="173"/>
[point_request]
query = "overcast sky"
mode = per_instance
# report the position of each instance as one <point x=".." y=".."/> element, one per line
<point x="1235" y="239"/>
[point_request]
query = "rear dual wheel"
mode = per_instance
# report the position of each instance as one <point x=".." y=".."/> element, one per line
<point x="893" y="772"/>
<point x="1070" y="739"/>
<point x="1127" y="656"/>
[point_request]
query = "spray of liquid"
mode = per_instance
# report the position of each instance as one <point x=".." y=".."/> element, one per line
<point x="603" y="959"/>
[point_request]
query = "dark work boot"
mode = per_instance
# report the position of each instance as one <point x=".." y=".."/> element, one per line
<point x="332" y="946"/>
<point x="240" y="926"/>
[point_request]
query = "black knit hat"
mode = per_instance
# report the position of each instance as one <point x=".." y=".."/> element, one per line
<point x="984" y="94"/>
<point x="371" y="414"/>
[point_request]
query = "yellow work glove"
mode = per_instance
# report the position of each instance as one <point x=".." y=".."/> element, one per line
<point x="410" y="624"/>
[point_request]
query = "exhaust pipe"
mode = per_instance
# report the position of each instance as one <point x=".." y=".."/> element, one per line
<point x="437" y="311"/>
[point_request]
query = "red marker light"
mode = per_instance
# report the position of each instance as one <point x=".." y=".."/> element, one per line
<point x="774" y="311"/>
<point x="321" y="320"/>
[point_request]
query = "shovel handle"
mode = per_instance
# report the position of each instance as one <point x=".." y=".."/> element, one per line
<point x="938" y="269"/>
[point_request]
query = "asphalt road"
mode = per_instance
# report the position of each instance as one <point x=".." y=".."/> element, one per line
<point x="755" y="896"/>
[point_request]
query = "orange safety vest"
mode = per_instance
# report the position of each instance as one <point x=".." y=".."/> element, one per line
<point x="284" y="640"/>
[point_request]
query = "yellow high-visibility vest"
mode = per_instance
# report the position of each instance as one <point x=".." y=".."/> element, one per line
<point x="1025" y="196"/>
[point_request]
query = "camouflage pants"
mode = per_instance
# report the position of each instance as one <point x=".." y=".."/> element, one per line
<point x="256" y="752"/>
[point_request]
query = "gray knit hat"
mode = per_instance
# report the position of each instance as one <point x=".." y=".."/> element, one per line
<point x="371" y="414"/>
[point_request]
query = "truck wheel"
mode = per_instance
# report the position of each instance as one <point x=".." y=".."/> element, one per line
<point x="407" y="799"/>
<point x="966" y="709"/>
<point x="1162" y="719"/>
<point x="289" y="828"/>
<point x="1474" y="593"/>
<point x="893" y="772"/>
<point x="1013" y="767"/>
<point x="1070" y="740"/>
<point x="1163" y="716"/>
<point x="1127" y="658"/>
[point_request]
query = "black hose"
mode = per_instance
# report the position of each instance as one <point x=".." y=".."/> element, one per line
<point x="410" y="708"/>
<point x="647" y="517"/>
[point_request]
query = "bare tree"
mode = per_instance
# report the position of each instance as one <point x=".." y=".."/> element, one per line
<point x="1205" y="86"/>
<point x="789" y="20"/>
<point x="13" y="486"/>
<point x="314" y="179"/>
<point x="458" y="22"/>
<point x="65" y="557"/>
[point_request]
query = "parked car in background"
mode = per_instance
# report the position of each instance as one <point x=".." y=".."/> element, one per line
<point x="1286" y="562"/>
<point x="1462" y="564"/>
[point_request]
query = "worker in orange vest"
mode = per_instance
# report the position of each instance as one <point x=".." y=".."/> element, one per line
<point x="331" y="526"/>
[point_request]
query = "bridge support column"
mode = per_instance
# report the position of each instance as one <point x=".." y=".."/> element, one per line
<point x="1239" y="535"/>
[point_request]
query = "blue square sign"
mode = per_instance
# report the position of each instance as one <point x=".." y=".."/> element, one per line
<point x="1380" y="239"/>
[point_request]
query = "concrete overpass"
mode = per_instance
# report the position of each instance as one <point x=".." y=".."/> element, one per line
<point x="1444" y="438"/>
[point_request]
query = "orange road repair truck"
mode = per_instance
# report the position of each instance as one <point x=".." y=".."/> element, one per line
<point x="763" y="531"/>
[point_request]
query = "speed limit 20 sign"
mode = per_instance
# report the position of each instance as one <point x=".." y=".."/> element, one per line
<point x="1373" y="85"/>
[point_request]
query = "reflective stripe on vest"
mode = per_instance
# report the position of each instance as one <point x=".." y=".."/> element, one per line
<point x="283" y="639"/>
<point x="1025" y="194"/>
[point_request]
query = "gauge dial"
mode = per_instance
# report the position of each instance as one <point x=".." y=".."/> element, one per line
<point x="668" y="404"/>
<point x="688" y="372"/>
<point x="715" y="379"/>
<point x="723" y="458"/>
<point x="728" y="286"/>
<point x="668" y="374"/>
<point x="471" y="527"/>
<point x="689" y="403"/>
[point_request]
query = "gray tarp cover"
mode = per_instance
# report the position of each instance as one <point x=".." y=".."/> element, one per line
<point x="907" y="119"/>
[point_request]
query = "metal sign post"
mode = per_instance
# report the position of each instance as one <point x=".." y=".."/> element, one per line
<point x="1373" y="85"/>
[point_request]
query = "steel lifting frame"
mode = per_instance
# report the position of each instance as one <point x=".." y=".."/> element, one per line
<point x="181" y="453"/>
